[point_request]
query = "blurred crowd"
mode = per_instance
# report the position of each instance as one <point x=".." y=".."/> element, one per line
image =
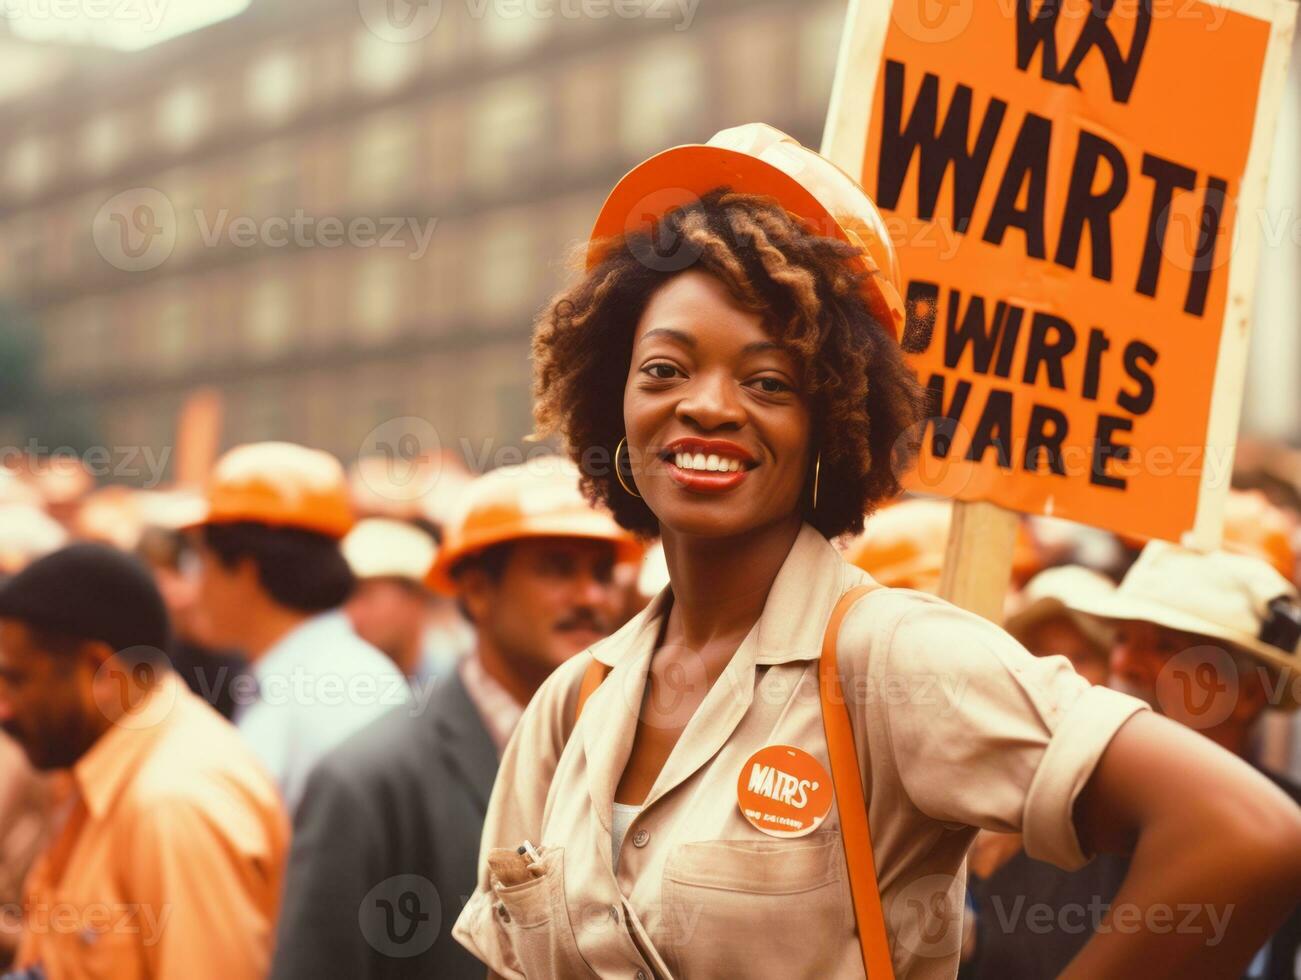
<point x="252" y="727"/>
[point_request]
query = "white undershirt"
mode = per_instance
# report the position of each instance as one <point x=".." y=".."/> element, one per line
<point x="622" y="817"/>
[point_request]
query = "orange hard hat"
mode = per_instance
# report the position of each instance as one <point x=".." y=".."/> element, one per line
<point x="1254" y="526"/>
<point x="280" y="484"/>
<point x="758" y="159"/>
<point x="537" y="499"/>
<point x="903" y="545"/>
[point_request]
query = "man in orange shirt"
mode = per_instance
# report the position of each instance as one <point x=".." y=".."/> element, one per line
<point x="170" y="859"/>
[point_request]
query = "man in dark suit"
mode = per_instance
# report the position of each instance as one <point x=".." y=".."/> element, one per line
<point x="386" y="838"/>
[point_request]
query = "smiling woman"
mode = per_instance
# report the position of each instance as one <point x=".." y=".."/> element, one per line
<point x="768" y="319"/>
<point x="776" y="769"/>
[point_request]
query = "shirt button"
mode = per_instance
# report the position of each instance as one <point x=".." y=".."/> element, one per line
<point x="501" y="911"/>
<point x="640" y="838"/>
<point x="641" y="975"/>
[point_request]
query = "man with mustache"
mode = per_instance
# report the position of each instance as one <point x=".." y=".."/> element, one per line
<point x="386" y="839"/>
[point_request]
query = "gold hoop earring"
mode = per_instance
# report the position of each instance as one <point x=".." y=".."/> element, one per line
<point x="817" y="471"/>
<point x="618" y="473"/>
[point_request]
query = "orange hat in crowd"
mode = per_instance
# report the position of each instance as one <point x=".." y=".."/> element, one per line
<point x="765" y="161"/>
<point x="1254" y="526"/>
<point x="903" y="545"/>
<point x="537" y="499"/>
<point x="279" y="484"/>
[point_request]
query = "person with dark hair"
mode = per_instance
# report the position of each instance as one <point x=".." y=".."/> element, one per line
<point x="170" y="858"/>
<point x="532" y="565"/>
<point x="271" y="583"/>
<point x="776" y="769"/>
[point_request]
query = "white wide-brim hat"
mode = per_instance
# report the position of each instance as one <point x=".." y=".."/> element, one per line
<point x="1058" y="592"/>
<point x="1216" y="594"/>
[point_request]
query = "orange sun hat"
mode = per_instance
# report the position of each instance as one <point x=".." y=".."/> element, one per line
<point x="758" y="159"/>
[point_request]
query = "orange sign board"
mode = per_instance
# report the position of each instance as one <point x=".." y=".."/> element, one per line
<point x="1073" y="187"/>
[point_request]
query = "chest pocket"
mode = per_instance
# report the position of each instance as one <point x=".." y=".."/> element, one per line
<point x="535" y="918"/>
<point x="761" y="907"/>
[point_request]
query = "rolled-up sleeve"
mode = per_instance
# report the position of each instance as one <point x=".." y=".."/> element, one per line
<point x="1002" y="740"/>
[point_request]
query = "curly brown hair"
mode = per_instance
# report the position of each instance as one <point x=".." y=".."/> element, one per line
<point x="864" y="399"/>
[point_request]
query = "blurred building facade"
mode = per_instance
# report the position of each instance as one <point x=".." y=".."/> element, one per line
<point x="493" y="137"/>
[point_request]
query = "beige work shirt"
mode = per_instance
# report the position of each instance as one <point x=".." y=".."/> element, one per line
<point x="959" y="726"/>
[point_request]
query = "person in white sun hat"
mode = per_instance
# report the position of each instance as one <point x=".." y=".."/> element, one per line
<point x="1044" y="619"/>
<point x="1208" y="639"/>
<point x="1214" y="641"/>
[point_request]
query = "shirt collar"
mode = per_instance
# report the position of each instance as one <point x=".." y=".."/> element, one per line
<point x="301" y="638"/>
<point x="812" y="578"/>
<point x="496" y="705"/>
<point x="107" y="767"/>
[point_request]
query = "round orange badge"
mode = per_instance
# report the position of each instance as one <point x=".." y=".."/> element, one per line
<point x="784" y="791"/>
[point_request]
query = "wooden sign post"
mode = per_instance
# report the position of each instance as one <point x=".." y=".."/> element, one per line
<point x="1074" y="188"/>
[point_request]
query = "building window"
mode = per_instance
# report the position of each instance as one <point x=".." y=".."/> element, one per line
<point x="663" y="95"/>
<point x="182" y="116"/>
<point x="377" y="297"/>
<point x="271" y="184"/>
<point x="269" y="316"/>
<point x="29" y="164"/>
<point x="586" y="108"/>
<point x="511" y="30"/>
<point x="379" y="65"/>
<point x="504" y="267"/>
<point x="382" y="159"/>
<point x="172" y="333"/>
<point x="103" y="142"/>
<point x="274" y="86"/>
<point x="507" y="129"/>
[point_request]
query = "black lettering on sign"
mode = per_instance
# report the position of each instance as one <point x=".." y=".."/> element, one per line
<point x="1166" y="176"/>
<point x="1105" y="448"/>
<point x="1039" y="438"/>
<point x="1048" y="350"/>
<point x="994" y="429"/>
<point x="1084" y="207"/>
<point x="900" y="143"/>
<point x="942" y="422"/>
<point x="1038" y="29"/>
<point x="974" y="331"/>
<point x="1027" y="167"/>
<point x="1137" y="354"/>
<point x="920" y="310"/>
<point x="1098" y="344"/>
<point x="1204" y="257"/>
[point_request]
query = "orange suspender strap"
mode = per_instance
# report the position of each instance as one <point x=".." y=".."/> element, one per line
<point x="851" y="803"/>
<point x="592" y="678"/>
